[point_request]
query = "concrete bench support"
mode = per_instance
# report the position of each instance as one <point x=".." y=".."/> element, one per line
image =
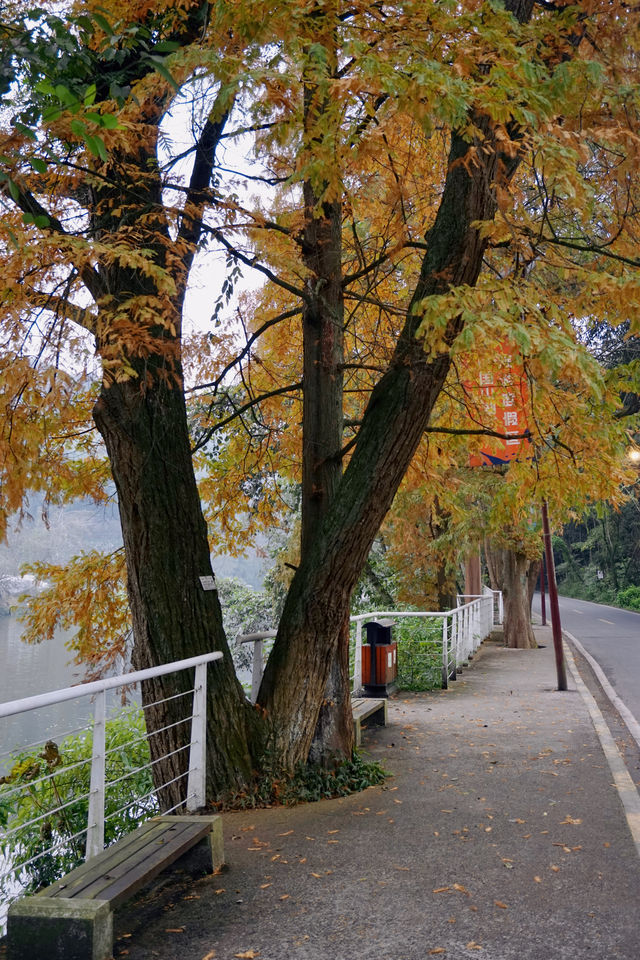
<point x="73" y="918"/>
<point x="365" y="707"/>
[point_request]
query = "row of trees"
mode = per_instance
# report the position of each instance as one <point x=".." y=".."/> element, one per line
<point x="435" y="180"/>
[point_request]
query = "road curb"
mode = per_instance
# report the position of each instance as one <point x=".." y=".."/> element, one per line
<point x="621" y="778"/>
<point x="629" y="719"/>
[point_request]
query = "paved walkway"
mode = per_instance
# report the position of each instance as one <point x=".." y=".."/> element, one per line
<point x="499" y="834"/>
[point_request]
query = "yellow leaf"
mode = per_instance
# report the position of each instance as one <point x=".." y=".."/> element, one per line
<point x="248" y="955"/>
<point x="441" y="889"/>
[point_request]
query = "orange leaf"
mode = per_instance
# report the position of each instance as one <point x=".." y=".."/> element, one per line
<point x="461" y="889"/>
<point x="248" y="955"/>
<point x="500" y="904"/>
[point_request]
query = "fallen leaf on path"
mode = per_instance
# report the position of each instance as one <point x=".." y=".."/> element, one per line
<point x="221" y="890"/>
<point x="263" y="886"/>
<point x="174" y="930"/>
<point x="437" y="950"/>
<point x="555" y="869"/>
<point x="537" y="879"/>
<point x="472" y="945"/>
<point x="441" y="889"/>
<point x="210" y="955"/>
<point x="461" y="889"/>
<point x="500" y="904"/>
<point x="285" y="896"/>
<point x="569" y="819"/>
<point x="285" y="834"/>
<point x="192" y="896"/>
<point x="248" y="955"/>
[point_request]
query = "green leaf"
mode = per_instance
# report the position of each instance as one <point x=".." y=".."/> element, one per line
<point x="90" y="96"/>
<point x="103" y="23"/>
<point x="162" y="70"/>
<point x="110" y="122"/>
<point x="13" y="190"/>
<point x="78" y="127"/>
<point x="41" y="220"/>
<point x="166" y="46"/>
<point x="28" y="218"/>
<point x="39" y="165"/>
<point x="27" y="131"/>
<point x="97" y="147"/>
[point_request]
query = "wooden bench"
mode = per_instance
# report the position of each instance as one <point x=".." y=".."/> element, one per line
<point x="73" y="918"/>
<point x="364" y="707"/>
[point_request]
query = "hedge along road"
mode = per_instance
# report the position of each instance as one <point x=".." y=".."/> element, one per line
<point x="612" y="637"/>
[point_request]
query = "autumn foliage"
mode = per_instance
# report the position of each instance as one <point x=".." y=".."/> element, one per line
<point x="417" y="185"/>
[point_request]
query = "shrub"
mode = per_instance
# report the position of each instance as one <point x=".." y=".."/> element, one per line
<point x="419" y="654"/>
<point x="54" y="788"/>
<point x="629" y="598"/>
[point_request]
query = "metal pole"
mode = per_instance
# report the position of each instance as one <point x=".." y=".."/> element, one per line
<point x="553" y="601"/>
<point x="95" y="824"/>
<point x="197" y="777"/>
<point x="543" y="599"/>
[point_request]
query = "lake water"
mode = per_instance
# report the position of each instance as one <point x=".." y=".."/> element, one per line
<point x="26" y="670"/>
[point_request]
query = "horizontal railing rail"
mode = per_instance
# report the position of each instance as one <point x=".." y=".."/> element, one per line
<point x="50" y="767"/>
<point x="463" y="628"/>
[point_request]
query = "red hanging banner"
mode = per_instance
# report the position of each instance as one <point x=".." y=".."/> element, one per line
<point x="499" y="393"/>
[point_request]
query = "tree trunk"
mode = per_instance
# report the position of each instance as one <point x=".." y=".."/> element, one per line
<point x="533" y="573"/>
<point x="165" y="538"/>
<point x="508" y="571"/>
<point x="323" y="356"/>
<point x="398" y="411"/>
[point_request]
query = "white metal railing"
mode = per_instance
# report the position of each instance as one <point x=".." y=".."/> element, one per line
<point x="462" y="631"/>
<point x="195" y="773"/>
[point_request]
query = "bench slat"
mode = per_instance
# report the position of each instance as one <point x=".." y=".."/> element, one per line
<point x="118" y="872"/>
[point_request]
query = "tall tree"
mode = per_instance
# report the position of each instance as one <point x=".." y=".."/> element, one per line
<point x="101" y="234"/>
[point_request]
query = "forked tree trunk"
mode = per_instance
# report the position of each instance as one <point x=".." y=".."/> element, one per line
<point x="166" y="547"/>
<point x="398" y="411"/>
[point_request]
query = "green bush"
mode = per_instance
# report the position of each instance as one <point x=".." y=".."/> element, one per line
<point x="629" y="598"/>
<point x="49" y="779"/>
<point x="309" y="782"/>
<point x="419" y="654"/>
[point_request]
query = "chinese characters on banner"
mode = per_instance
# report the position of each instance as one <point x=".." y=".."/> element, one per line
<point x="499" y="394"/>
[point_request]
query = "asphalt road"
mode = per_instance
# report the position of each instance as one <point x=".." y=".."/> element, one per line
<point x="612" y="637"/>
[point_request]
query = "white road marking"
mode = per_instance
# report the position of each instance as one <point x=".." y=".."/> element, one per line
<point x="610" y="622"/>
<point x="624" y="784"/>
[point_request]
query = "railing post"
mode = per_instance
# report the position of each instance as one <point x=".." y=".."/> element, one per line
<point x="95" y="825"/>
<point x="196" y="781"/>
<point x="357" y="659"/>
<point x="256" y="670"/>
<point x="445" y="653"/>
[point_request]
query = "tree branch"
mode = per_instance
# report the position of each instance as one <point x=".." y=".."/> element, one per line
<point x="204" y="439"/>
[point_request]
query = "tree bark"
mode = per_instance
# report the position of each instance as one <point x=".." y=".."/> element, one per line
<point x="397" y="413"/>
<point x="509" y="569"/>
<point x="145" y="431"/>
<point x="323" y="355"/>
